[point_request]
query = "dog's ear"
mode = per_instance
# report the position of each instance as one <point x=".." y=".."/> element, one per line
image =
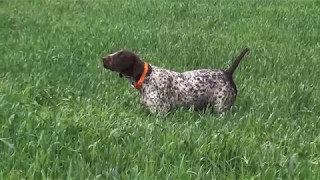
<point x="120" y="75"/>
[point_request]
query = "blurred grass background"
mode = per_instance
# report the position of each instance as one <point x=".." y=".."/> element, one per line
<point x="63" y="116"/>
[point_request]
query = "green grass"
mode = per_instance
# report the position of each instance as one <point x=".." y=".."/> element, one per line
<point x="62" y="116"/>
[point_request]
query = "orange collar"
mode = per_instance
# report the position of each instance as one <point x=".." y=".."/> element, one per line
<point x="138" y="84"/>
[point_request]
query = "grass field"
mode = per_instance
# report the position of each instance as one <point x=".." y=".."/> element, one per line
<point x="62" y="116"/>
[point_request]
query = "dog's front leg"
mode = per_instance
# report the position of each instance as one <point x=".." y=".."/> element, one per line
<point x="155" y="104"/>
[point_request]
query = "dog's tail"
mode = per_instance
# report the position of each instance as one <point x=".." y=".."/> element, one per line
<point x="236" y="62"/>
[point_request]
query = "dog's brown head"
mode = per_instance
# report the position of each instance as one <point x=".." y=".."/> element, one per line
<point x="124" y="62"/>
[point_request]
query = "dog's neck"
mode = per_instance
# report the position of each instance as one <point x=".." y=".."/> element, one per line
<point x="139" y="75"/>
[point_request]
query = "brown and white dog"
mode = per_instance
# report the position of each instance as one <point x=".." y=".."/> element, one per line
<point x="162" y="90"/>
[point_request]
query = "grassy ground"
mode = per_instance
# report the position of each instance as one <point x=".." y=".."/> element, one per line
<point x="63" y="116"/>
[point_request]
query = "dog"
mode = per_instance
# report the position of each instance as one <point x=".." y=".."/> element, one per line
<point x="162" y="90"/>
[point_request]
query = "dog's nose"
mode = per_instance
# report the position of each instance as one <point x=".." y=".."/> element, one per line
<point x="106" y="59"/>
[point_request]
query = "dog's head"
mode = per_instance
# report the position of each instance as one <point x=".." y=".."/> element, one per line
<point x="124" y="62"/>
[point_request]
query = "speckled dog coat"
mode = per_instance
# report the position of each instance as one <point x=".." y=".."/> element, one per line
<point x="163" y="90"/>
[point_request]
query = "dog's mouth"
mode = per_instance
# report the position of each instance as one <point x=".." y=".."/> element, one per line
<point x="107" y="67"/>
<point x="106" y="61"/>
<point x="107" y="64"/>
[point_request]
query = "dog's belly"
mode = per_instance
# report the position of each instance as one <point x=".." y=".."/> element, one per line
<point x="201" y="88"/>
<point x="196" y="102"/>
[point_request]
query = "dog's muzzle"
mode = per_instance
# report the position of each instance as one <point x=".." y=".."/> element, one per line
<point x="106" y="61"/>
